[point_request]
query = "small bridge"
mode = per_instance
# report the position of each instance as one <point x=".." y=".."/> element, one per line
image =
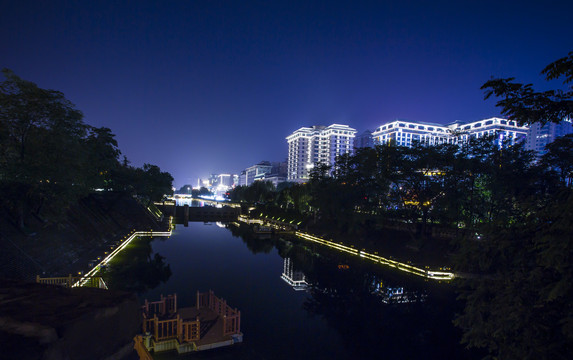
<point x="186" y="213"/>
<point x="211" y="214"/>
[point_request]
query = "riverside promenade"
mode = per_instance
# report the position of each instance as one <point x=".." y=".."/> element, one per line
<point x="434" y="274"/>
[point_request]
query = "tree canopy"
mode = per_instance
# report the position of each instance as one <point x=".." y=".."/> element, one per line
<point x="49" y="157"/>
<point x="518" y="303"/>
<point x="527" y="106"/>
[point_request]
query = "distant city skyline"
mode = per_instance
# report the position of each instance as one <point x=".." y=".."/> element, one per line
<point x="202" y="87"/>
<point x="402" y="133"/>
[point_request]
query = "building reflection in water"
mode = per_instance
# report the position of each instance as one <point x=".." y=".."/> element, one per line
<point x="396" y="294"/>
<point x="294" y="278"/>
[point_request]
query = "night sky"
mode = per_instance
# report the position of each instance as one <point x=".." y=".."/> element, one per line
<point x="200" y="87"/>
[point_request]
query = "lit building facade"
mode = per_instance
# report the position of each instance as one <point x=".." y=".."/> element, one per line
<point x="405" y="133"/>
<point x="364" y="140"/>
<point x="274" y="172"/>
<point x="540" y="136"/>
<point x="255" y="172"/>
<point x="218" y="183"/>
<point x="309" y="146"/>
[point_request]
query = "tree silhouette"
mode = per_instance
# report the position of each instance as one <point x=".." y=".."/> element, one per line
<point x="49" y="158"/>
<point x="518" y="303"/>
<point x="527" y="106"/>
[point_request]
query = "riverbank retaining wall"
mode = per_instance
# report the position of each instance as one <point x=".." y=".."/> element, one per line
<point x="90" y="228"/>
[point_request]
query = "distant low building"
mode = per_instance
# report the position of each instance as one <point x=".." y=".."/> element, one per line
<point x="276" y="180"/>
<point x="218" y="183"/>
<point x="255" y="172"/>
<point x="274" y="172"/>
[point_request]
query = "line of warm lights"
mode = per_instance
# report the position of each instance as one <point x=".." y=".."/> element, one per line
<point x="429" y="274"/>
<point x="436" y="275"/>
<point x="84" y="279"/>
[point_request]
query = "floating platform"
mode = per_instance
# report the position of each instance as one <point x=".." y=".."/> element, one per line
<point x="210" y="324"/>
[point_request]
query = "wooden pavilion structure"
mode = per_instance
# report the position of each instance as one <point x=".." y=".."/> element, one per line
<point x="211" y="323"/>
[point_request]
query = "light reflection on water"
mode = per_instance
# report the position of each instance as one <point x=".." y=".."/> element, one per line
<point x="347" y="309"/>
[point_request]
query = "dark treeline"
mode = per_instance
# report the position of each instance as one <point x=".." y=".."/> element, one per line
<point x="49" y="158"/>
<point x="516" y="212"/>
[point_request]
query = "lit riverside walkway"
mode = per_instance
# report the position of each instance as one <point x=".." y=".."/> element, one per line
<point x="86" y="278"/>
<point x="429" y="274"/>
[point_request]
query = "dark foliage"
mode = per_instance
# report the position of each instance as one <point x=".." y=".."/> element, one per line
<point x="49" y="158"/>
<point x="518" y="300"/>
<point x="525" y="105"/>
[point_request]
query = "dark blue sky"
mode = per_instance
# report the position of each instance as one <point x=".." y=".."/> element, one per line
<point x="201" y="87"/>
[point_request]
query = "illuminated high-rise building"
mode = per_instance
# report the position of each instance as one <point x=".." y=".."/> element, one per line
<point x="364" y="140"/>
<point x="540" y="136"/>
<point x="406" y="133"/>
<point x="309" y="146"/>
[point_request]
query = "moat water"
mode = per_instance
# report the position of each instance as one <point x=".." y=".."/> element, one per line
<point x="348" y="309"/>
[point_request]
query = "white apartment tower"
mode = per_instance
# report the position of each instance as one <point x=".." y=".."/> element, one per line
<point x="308" y="146"/>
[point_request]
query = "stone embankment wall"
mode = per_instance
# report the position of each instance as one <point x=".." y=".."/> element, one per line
<point x="90" y="228"/>
<point x="52" y="322"/>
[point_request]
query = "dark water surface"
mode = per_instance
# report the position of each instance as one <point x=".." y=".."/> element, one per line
<point x="351" y="309"/>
